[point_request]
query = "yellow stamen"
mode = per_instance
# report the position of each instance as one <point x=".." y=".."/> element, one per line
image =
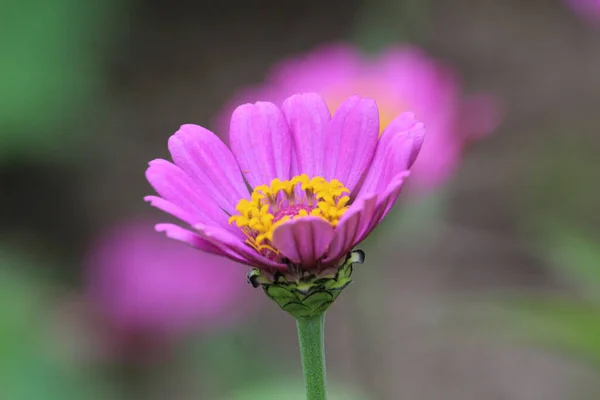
<point x="272" y="205"/>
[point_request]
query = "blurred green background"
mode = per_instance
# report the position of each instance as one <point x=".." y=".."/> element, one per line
<point x="488" y="288"/>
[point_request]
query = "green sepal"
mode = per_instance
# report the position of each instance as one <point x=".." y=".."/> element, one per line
<point x="306" y="293"/>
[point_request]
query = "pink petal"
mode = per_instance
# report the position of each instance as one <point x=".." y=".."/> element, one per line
<point x="362" y="218"/>
<point x="352" y="224"/>
<point x="307" y="116"/>
<point x="176" y="187"/>
<point x="234" y="248"/>
<point x="384" y="204"/>
<point x="183" y="235"/>
<point x="351" y="141"/>
<point x="397" y="150"/>
<point x="170" y="208"/>
<point x="206" y="159"/>
<point x="329" y="65"/>
<point x="261" y="142"/>
<point x="402" y="123"/>
<point x="402" y="152"/>
<point x="344" y="236"/>
<point x="303" y="240"/>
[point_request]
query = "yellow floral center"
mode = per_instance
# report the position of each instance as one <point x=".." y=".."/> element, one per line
<point x="272" y="205"/>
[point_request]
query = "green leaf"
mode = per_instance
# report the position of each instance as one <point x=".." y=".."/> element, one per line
<point x="569" y="326"/>
<point x="297" y="310"/>
<point x="316" y="300"/>
<point x="281" y="294"/>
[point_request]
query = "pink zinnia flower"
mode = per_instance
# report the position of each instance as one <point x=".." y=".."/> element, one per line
<point x="589" y="10"/>
<point x="145" y="285"/>
<point x="399" y="79"/>
<point x="298" y="189"/>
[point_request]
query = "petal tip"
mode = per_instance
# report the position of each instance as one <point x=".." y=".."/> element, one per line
<point x="156" y="162"/>
<point x="304" y="95"/>
<point x="161" y="227"/>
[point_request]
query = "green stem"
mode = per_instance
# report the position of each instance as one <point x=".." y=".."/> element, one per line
<point x="312" y="351"/>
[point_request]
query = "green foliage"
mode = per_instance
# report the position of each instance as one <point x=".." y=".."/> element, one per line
<point x="562" y="217"/>
<point x="384" y="22"/>
<point x="563" y="192"/>
<point x="577" y="255"/>
<point x="29" y="366"/>
<point x="571" y="326"/>
<point x="52" y="54"/>
<point x="568" y="325"/>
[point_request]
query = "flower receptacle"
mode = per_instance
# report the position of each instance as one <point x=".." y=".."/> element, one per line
<point x="303" y="293"/>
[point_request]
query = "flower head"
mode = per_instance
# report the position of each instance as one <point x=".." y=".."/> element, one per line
<point x="298" y="189"/>
<point x="150" y="286"/>
<point x="402" y="78"/>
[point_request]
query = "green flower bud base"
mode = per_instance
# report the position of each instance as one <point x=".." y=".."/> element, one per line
<point x="304" y="293"/>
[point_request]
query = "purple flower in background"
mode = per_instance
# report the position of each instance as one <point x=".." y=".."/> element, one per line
<point x="399" y="79"/>
<point x="319" y="184"/>
<point x="146" y="285"/>
<point x="589" y="10"/>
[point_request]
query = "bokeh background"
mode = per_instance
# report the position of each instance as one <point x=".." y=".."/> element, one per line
<point x="486" y="287"/>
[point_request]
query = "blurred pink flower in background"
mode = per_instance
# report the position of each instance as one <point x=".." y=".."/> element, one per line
<point x="147" y="285"/>
<point x="401" y="78"/>
<point x="589" y="10"/>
